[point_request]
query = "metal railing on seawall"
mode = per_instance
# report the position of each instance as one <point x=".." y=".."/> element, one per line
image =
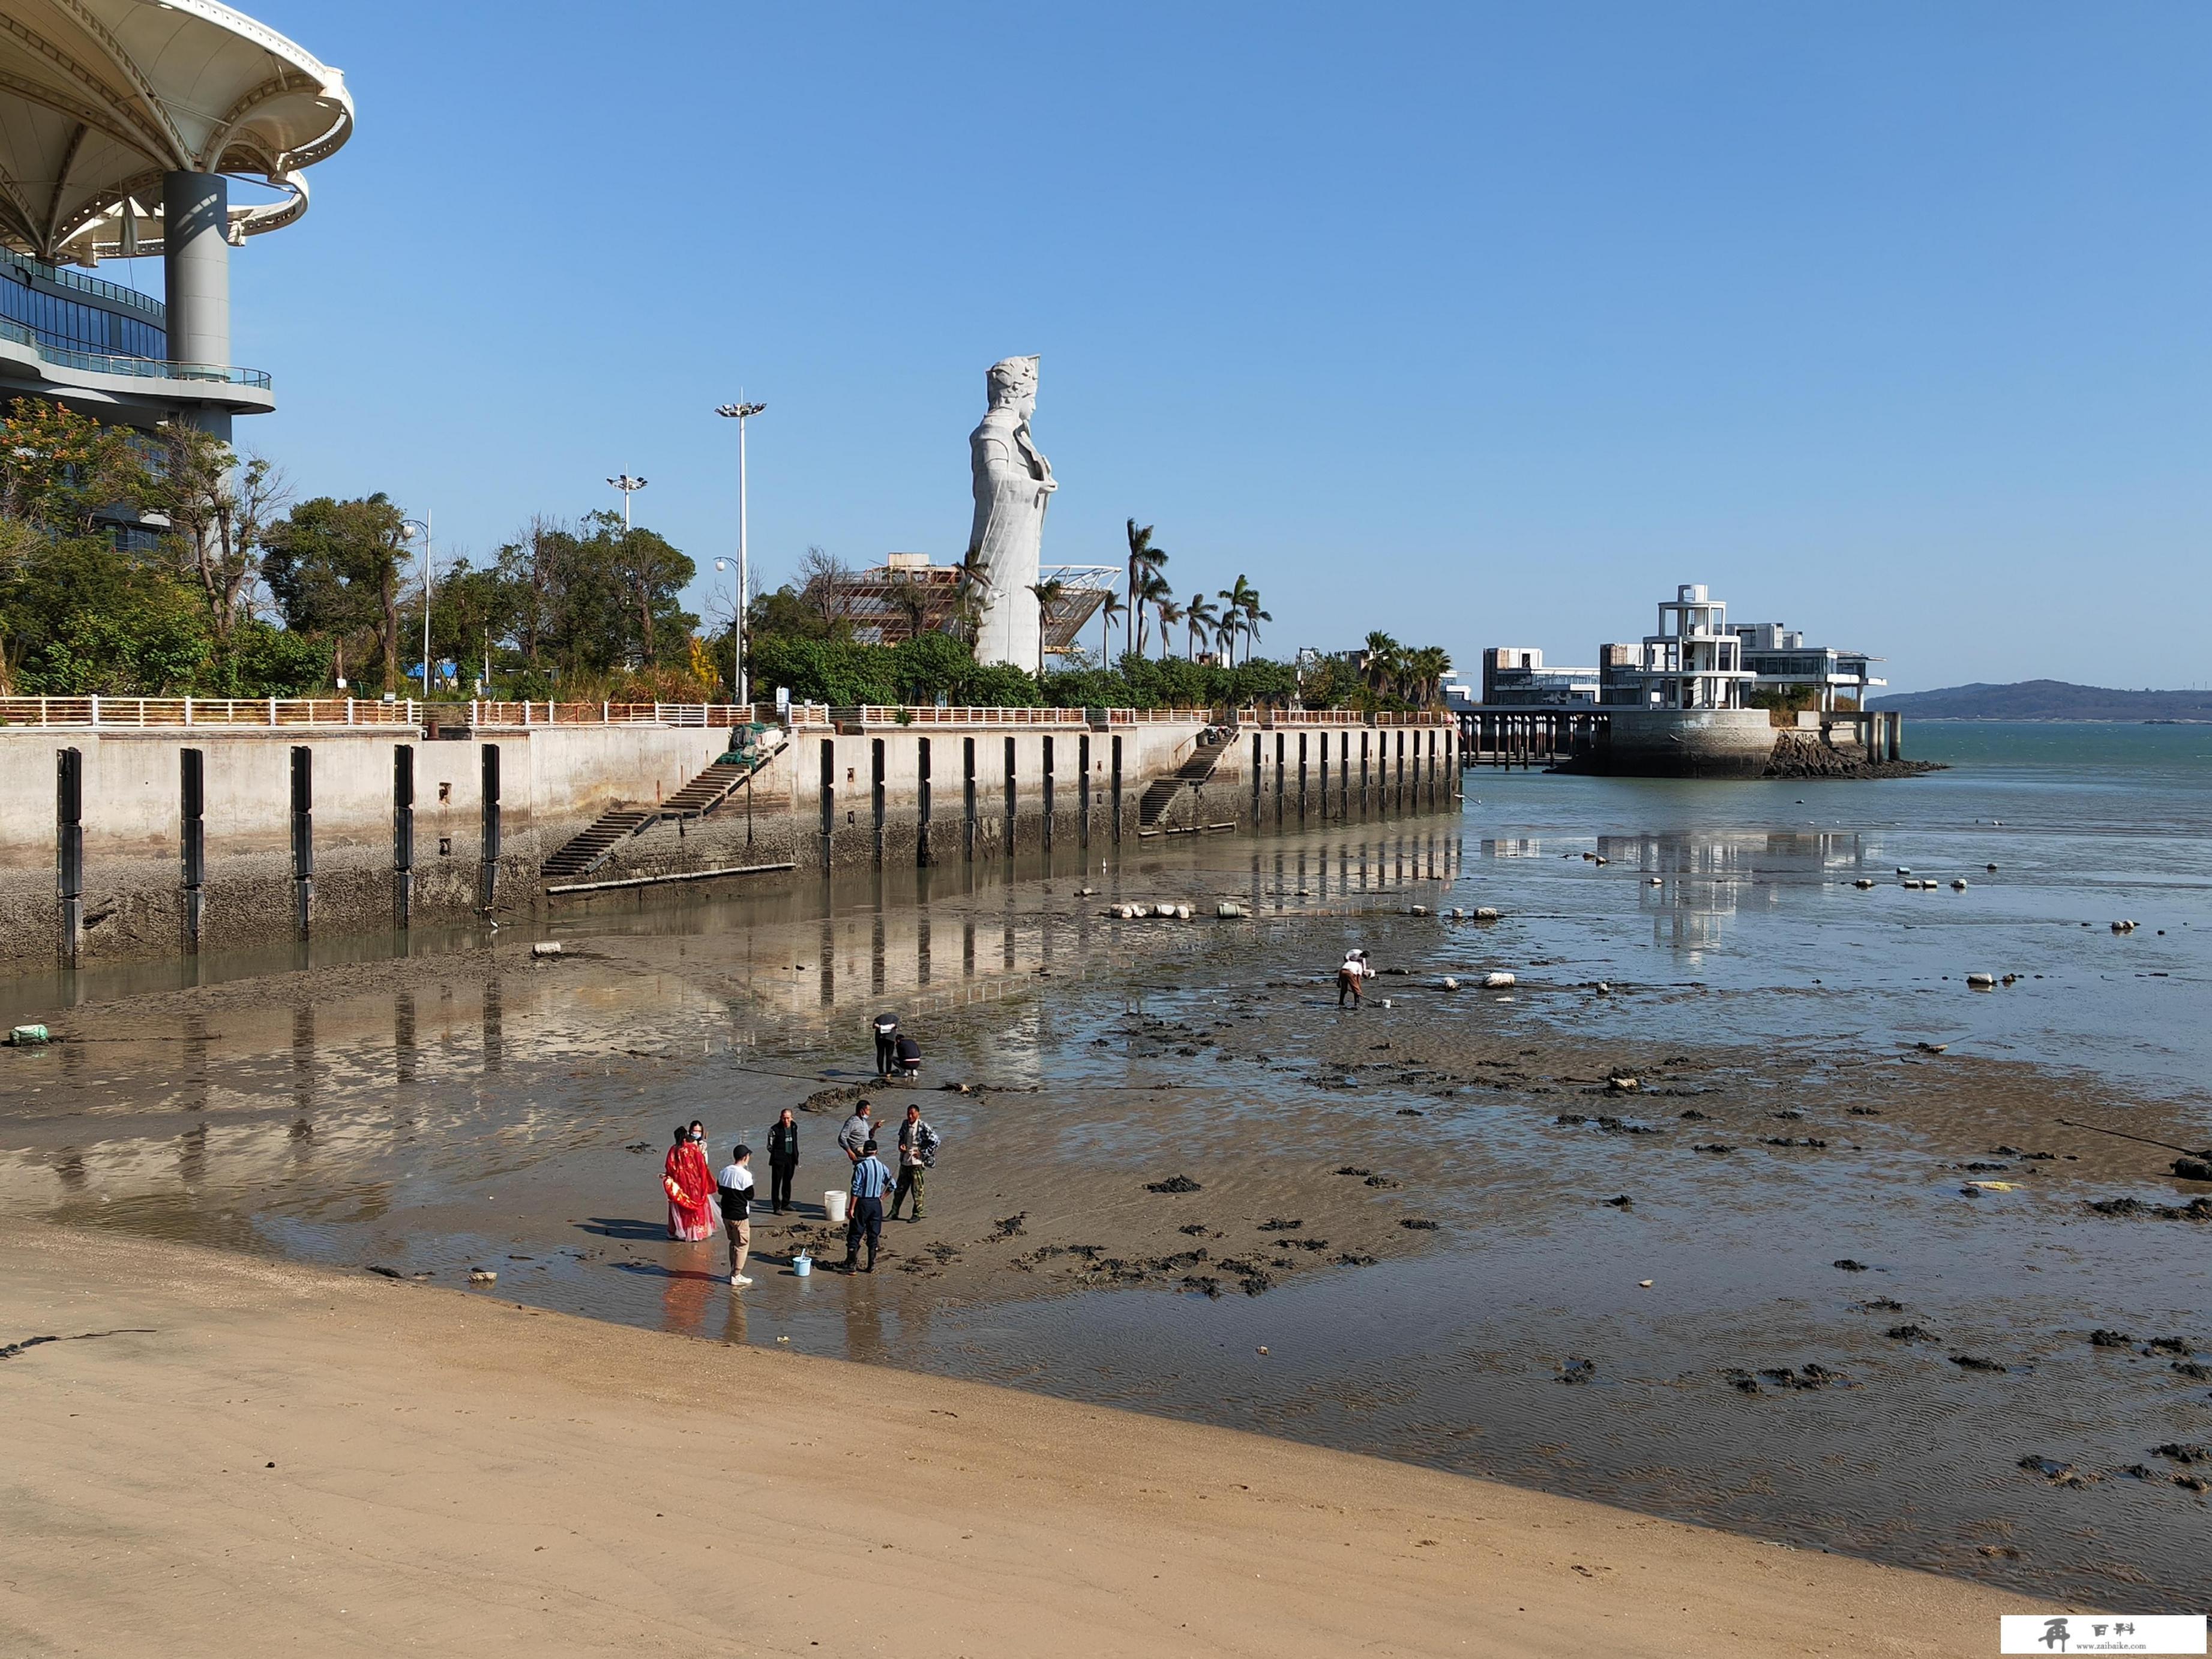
<point x="162" y="713"/>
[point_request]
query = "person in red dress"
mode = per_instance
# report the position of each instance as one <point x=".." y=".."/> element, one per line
<point x="690" y="1188"/>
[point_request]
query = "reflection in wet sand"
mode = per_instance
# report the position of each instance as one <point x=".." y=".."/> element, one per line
<point x="1121" y="1051"/>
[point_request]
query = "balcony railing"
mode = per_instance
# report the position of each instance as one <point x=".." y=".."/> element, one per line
<point x="155" y="714"/>
<point x="144" y="305"/>
<point x="104" y="363"/>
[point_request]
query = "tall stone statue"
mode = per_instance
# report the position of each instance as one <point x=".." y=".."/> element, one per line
<point x="1013" y="483"/>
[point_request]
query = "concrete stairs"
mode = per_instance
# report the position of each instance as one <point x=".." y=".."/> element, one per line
<point x="587" y="850"/>
<point x="1161" y="793"/>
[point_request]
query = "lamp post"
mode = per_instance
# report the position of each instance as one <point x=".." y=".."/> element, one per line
<point x="737" y="623"/>
<point x="411" y="527"/>
<point x="740" y="412"/>
<point x="629" y="487"/>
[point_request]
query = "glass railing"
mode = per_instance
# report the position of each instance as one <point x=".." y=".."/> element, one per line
<point x="128" y="297"/>
<point x="102" y="363"/>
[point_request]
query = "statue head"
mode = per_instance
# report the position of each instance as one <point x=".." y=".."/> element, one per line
<point x="1012" y="383"/>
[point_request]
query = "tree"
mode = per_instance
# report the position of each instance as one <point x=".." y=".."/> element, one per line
<point x="1170" y="614"/>
<point x="60" y="470"/>
<point x="332" y="567"/>
<point x="1144" y="562"/>
<point x="1242" y="602"/>
<point x="822" y="580"/>
<point x="1382" y="661"/>
<point x="1199" y="618"/>
<point x="1048" y="594"/>
<point x="1426" y="670"/>
<point x="217" y="506"/>
<point x="1112" y="607"/>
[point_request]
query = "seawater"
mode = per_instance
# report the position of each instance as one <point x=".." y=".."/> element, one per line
<point x="2088" y="824"/>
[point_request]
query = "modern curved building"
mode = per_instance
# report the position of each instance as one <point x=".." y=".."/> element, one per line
<point x="122" y="125"/>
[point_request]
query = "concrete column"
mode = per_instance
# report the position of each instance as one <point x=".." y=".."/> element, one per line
<point x="196" y="272"/>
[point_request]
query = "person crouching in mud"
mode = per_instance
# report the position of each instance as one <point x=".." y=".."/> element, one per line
<point x="1352" y="976"/>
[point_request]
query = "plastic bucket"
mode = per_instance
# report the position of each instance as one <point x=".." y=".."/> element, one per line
<point x="802" y="1265"/>
<point x="834" y="1203"/>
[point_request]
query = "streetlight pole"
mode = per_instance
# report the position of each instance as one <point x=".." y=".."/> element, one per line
<point x="629" y="487"/>
<point x="740" y="412"/>
<point x="411" y="526"/>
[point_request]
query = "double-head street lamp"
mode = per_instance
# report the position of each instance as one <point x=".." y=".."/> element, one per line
<point x="739" y="412"/>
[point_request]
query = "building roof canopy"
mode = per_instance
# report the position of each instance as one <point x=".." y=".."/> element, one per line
<point x="99" y="99"/>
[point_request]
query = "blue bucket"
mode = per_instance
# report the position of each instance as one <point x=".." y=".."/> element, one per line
<point x="802" y="1265"/>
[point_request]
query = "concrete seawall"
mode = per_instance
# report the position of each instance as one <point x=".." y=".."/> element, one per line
<point x="854" y="794"/>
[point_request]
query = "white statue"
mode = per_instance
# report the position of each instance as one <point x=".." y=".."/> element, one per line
<point x="1013" y="483"/>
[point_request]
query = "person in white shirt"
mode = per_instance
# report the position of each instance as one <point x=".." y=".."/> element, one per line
<point x="1352" y="977"/>
<point x="735" y="1184"/>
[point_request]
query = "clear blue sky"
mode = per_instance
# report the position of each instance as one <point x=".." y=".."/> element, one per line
<point x="1483" y="324"/>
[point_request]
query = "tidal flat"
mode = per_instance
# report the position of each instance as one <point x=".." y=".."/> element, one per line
<point x="1419" y="1230"/>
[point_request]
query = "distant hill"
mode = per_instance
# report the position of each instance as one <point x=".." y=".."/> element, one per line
<point x="2049" y="700"/>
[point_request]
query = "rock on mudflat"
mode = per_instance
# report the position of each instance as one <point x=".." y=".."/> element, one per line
<point x="1499" y="981"/>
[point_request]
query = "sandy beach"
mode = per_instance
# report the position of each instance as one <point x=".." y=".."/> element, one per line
<point x="264" y="1458"/>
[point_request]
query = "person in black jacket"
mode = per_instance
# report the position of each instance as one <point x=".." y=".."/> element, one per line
<point x="782" y="1159"/>
<point x="886" y="1027"/>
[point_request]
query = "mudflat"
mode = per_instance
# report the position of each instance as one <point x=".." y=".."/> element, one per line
<point x="225" y="1455"/>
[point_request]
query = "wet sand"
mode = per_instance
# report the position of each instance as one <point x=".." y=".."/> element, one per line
<point x="432" y="1114"/>
<point x="242" y="1458"/>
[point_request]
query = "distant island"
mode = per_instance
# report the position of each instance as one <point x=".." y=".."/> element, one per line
<point x="2048" y="700"/>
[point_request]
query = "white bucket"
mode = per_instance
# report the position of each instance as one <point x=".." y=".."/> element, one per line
<point x="834" y="1203"/>
<point x="802" y="1265"/>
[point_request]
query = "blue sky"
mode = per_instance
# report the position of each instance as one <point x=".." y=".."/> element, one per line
<point x="1481" y="324"/>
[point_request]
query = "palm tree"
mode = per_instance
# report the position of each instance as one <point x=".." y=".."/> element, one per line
<point x="1199" y="617"/>
<point x="1427" y="667"/>
<point x="975" y="589"/>
<point x="1107" y="612"/>
<point x="1171" y="613"/>
<point x="1144" y="562"/>
<point x="1048" y="596"/>
<point x="1239" y="603"/>
<point x="1381" y="662"/>
<point x="1152" y="588"/>
<point x="1225" y="636"/>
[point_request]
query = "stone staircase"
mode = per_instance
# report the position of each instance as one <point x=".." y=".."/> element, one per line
<point x="1161" y="793"/>
<point x="590" y="848"/>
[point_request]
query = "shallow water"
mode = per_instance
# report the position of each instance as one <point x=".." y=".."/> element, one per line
<point x="430" y="1109"/>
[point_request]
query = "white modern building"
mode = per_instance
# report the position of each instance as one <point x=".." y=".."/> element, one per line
<point x="122" y="126"/>
<point x="1785" y="665"/>
<point x="1694" y="660"/>
<point x="1516" y="676"/>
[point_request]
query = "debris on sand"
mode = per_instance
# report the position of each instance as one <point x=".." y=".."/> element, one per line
<point x="1622" y="1202"/>
<point x="1812" y="1375"/>
<point x="2198" y="1209"/>
<point x="2058" y="1474"/>
<point x="1195" y="1229"/>
<point x="1878" y="1304"/>
<point x="1577" y="1371"/>
<point x="1353" y="1259"/>
<point x="1275" y="1224"/>
<point x="1910" y="1333"/>
<point x="1849" y="1264"/>
<point x="1713" y="1146"/>
<point x="386" y="1273"/>
<point x="2104" y="1338"/>
<point x="2158" y="1345"/>
<point x="1968" y="1362"/>
<point x="1354" y="1170"/>
<point x="2177" y="1452"/>
<point x="1378" y="1180"/>
<point x="2193" y="1370"/>
<point x="1413" y="1224"/>
<point x="1174" y="1183"/>
<point x="2193" y="1169"/>
<point x="1204" y="1284"/>
<point x="1012" y="1226"/>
